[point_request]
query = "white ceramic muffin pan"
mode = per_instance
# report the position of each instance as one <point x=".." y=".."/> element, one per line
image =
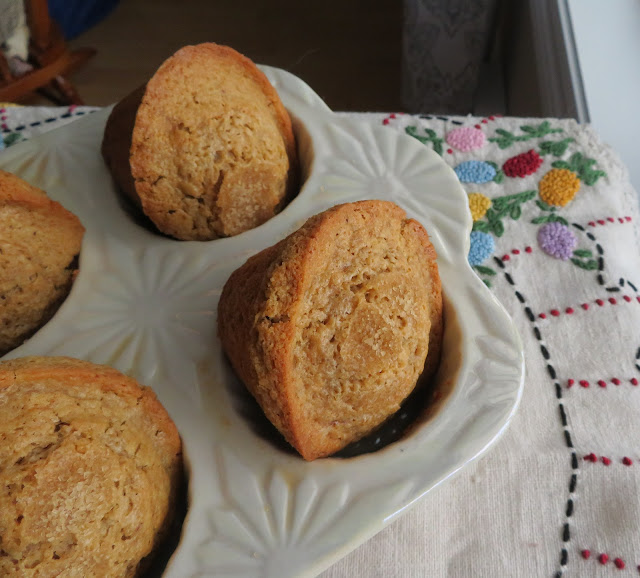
<point x="146" y="305"/>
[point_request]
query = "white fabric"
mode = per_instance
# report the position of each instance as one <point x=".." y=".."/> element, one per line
<point x="532" y="504"/>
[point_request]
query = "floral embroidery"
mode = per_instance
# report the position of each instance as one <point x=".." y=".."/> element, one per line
<point x="482" y="247"/>
<point x="550" y="217"/>
<point x="466" y="138"/>
<point x="429" y="136"/>
<point x="557" y="240"/>
<point x="9" y="140"/>
<point x="583" y="258"/>
<point x="523" y="164"/>
<point x="479" y="205"/>
<point x="502" y="207"/>
<point x="476" y="172"/>
<point x="559" y="186"/>
<point x="506" y="138"/>
<point x="555" y="148"/>
<point x="582" y="166"/>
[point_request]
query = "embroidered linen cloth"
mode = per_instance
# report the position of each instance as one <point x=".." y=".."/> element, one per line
<point x="556" y="238"/>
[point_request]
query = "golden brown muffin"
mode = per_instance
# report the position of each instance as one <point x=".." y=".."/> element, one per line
<point x="39" y="244"/>
<point x="330" y="328"/>
<point x="206" y="149"/>
<point x="90" y="463"/>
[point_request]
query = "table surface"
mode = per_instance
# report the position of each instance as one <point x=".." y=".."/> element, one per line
<point x="556" y="238"/>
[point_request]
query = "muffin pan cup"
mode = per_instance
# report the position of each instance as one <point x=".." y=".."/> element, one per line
<point x="146" y="305"/>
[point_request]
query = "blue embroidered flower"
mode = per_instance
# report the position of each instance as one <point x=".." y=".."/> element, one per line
<point x="475" y="172"/>
<point x="482" y="246"/>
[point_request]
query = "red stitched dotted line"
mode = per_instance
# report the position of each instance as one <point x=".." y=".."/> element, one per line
<point x="585" y="306"/>
<point x="486" y="120"/>
<point x="3" y="118"/>
<point x="627" y="461"/>
<point x="507" y="256"/>
<point x="392" y="116"/>
<point x="601" y="382"/>
<point x="604" y="558"/>
<point x="609" y="220"/>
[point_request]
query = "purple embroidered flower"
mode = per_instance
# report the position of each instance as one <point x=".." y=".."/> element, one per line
<point x="475" y="172"/>
<point x="557" y="240"/>
<point x="482" y="246"/>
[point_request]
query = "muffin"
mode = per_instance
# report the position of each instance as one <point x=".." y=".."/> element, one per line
<point x="206" y="148"/>
<point x="90" y="465"/>
<point x="331" y="328"/>
<point x="39" y="245"/>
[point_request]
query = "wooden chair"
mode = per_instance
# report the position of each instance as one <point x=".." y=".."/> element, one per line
<point x="50" y="58"/>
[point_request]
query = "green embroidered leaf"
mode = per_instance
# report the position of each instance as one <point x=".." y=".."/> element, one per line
<point x="481" y="226"/>
<point x="591" y="177"/>
<point x="543" y="206"/>
<point x="431" y="136"/>
<point x="502" y="204"/>
<point x="582" y="166"/>
<point x="487" y="283"/>
<point x="499" y="176"/>
<point x="588" y="265"/>
<point x="413" y="131"/>
<point x="484" y="270"/>
<point x="551" y="218"/>
<point x="505" y="140"/>
<point x="582" y="253"/>
<point x="498" y="228"/>
<point x="502" y="207"/>
<point x="555" y="148"/>
<point x="12" y="138"/>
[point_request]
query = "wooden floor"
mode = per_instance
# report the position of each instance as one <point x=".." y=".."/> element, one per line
<point x="347" y="51"/>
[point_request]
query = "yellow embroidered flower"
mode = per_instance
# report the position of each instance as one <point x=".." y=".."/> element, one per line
<point x="479" y="204"/>
<point x="558" y="187"/>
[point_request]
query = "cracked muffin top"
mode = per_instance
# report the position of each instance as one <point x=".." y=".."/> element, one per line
<point x="40" y="242"/>
<point x="90" y="463"/>
<point x="206" y="148"/>
<point x="331" y="328"/>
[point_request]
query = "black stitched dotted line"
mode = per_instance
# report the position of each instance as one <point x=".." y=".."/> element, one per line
<point x="638" y="359"/>
<point x="566" y="529"/>
<point x="445" y="118"/>
<point x="45" y="121"/>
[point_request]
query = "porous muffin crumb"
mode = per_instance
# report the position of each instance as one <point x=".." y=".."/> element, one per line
<point x="90" y="465"/>
<point x="331" y="328"/>
<point x="206" y="148"/>
<point x="39" y="245"/>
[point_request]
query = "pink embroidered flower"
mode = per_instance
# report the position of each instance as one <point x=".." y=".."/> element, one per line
<point x="466" y="138"/>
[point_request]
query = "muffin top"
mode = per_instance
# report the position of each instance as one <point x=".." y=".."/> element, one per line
<point x="212" y="151"/>
<point x="331" y="328"/>
<point x="89" y="465"/>
<point x="39" y="243"/>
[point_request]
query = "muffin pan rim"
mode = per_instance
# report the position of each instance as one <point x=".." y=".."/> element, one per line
<point x="153" y="301"/>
